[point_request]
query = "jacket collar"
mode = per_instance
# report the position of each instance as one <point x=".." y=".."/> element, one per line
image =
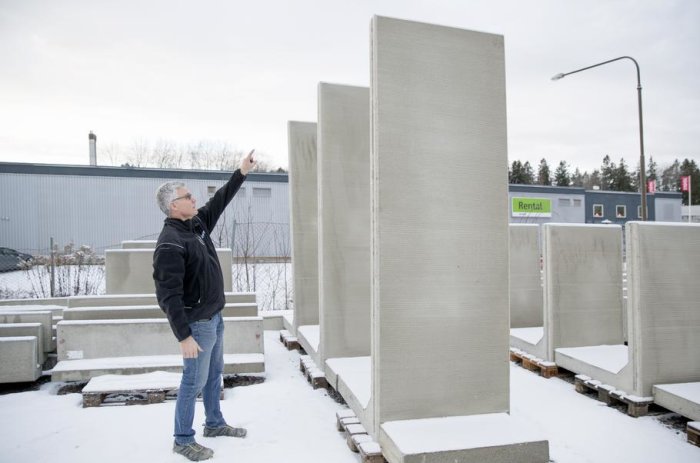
<point x="182" y="225"/>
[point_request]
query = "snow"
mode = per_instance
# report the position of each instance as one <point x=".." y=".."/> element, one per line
<point x="458" y="432"/>
<point x="312" y="333"/>
<point x="289" y="421"/>
<point x="612" y="358"/>
<point x="531" y="335"/>
<point x="153" y="380"/>
<point x="356" y="373"/>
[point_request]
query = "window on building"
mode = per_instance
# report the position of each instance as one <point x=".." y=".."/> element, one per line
<point x="620" y="211"/>
<point x="262" y="192"/>
<point x="598" y="210"/>
<point x="577" y="203"/>
<point x="564" y="202"/>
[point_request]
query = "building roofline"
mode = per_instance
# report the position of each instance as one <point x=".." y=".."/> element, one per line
<point x="138" y="172"/>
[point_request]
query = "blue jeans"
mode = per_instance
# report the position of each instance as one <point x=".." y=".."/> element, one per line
<point x="201" y="374"/>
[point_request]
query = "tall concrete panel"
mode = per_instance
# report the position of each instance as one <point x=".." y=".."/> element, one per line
<point x="343" y="227"/>
<point x="303" y="217"/>
<point x="439" y="276"/>
<point x="663" y="270"/>
<point x="526" y="300"/>
<point x="583" y="285"/>
<point x="130" y="271"/>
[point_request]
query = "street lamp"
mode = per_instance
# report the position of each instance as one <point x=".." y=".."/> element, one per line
<point x="642" y="172"/>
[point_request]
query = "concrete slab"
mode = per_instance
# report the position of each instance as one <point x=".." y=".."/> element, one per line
<point x="139" y="244"/>
<point x="57" y="301"/>
<point x="142" y="299"/>
<point x="18" y="359"/>
<point x="9" y="330"/>
<point x="130" y="271"/>
<point x="147" y="311"/>
<point x="81" y="370"/>
<point x="34" y="316"/>
<point x="343" y="222"/>
<point x="308" y="337"/>
<point x="663" y="269"/>
<point x="496" y="438"/>
<point x="303" y="218"/>
<point x="56" y="310"/>
<point x="88" y="339"/>
<point x="682" y="398"/>
<point x="439" y="277"/>
<point x="609" y="364"/>
<point x="352" y="378"/>
<point x="583" y="285"/>
<point x="526" y="298"/>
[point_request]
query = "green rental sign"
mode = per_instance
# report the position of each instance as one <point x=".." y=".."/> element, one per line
<point x="531" y="207"/>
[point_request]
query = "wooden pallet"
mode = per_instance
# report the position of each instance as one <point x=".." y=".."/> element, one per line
<point x="289" y="341"/>
<point x="530" y="362"/>
<point x="357" y="438"/>
<point x="693" y="431"/>
<point x="636" y="406"/>
<point x="313" y="374"/>
<point x="146" y="397"/>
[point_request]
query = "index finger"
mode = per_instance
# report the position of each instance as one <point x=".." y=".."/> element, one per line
<point x="251" y="152"/>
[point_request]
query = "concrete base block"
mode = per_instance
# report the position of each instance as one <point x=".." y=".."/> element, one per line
<point x="147" y="311"/>
<point x="496" y="438"/>
<point x="143" y="299"/>
<point x="581" y="360"/>
<point x="18" y="359"/>
<point x="34" y="316"/>
<point x="8" y="330"/>
<point x="682" y="398"/>
<point x="308" y="337"/>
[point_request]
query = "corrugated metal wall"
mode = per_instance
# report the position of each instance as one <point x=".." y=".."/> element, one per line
<point x="102" y="211"/>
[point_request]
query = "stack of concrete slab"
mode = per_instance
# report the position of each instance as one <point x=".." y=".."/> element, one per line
<point x="303" y="218"/>
<point x="130" y="271"/>
<point x="88" y="348"/>
<point x="26" y="339"/>
<point x="343" y="222"/>
<point x="438" y="370"/>
<point x="108" y="300"/>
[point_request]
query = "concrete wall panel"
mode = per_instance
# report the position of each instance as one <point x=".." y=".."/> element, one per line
<point x="583" y="285"/>
<point x="439" y="276"/>
<point x="303" y="217"/>
<point x="663" y="270"/>
<point x="526" y="299"/>
<point x="343" y="227"/>
<point x="18" y="359"/>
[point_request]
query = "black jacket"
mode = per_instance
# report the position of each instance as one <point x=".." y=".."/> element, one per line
<point x="186" y="269"/>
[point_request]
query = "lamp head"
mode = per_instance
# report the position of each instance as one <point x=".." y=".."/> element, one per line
<point x="558" y="76"/>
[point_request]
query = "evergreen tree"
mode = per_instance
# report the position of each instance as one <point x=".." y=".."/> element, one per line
<point x="515" y="173"/>
<point x="690" y="167"/>
<point x="528" y="173"/>
<point x="622" y="180"/>
<point x="592" y="180"/>
<point x="577" y="178"/>
<point x="543" y="173"/>
<point x="561" y="174"/>
<point x="670" y="177"/>
<point x="651" y="169"/>
<point x="607" y="174"/>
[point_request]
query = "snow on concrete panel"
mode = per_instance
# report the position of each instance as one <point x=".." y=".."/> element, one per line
<point x="303" y="217"/>
<point x="343" y="227"/>
<point x="583" y="285"/>
<point x="439" y="263"/>
<point x="663" y="269"/>
<point x="526" y="300"/>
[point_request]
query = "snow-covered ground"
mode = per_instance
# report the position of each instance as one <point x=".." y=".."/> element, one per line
<point x="290" y="422"/>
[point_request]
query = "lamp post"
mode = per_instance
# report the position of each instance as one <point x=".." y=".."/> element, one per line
<point x="642" y="169"/>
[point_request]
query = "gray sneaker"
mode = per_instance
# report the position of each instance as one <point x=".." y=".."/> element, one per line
<point x="225" y="430"/>
<point x="193" y="451"/>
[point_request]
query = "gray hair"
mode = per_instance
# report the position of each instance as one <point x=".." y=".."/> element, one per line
<point x="165" y="194"/>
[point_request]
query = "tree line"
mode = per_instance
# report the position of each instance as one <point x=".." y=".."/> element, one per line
<point x="610" y="176"/>
<point x="166" y="154"/>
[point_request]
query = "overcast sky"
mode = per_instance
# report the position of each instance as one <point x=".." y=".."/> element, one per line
<point x="236" y="71"/>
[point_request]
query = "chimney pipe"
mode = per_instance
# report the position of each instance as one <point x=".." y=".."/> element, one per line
<point x="93" y="148"/>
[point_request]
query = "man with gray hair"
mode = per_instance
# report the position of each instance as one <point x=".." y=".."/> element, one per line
<point x="190" y="290"/>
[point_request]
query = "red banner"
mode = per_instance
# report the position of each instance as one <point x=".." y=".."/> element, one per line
<point x="651" y="187"/>
<point x="685" y="183"/>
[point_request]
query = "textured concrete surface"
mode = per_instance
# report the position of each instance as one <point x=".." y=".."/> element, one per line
<point x="146" y="337"/>
<point x="583" y="285"/>
<point x="56" y="310"/>
<point x="663" y="270"/>
<point x="146" y="311"/>
<point x="142" y="299"/>
<point x="18" y="359"/>
<point x="343" y="222"/>
<point x="526" y="299"/>
<point x="303" y="218"/>
<point x="61" y="301"/>
<point x="681" y="398"/>
<point x="139" y="244"/>
<point x="33" y="316"/>
<point x="9" y="330"/>
<point x="439" y="265"/>
<point x="130" y="271"/>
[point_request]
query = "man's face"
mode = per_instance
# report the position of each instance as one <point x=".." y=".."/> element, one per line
<point x="184" y="206"/>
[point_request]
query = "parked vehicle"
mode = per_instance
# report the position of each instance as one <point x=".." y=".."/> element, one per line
<point x="11" y="260"/>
